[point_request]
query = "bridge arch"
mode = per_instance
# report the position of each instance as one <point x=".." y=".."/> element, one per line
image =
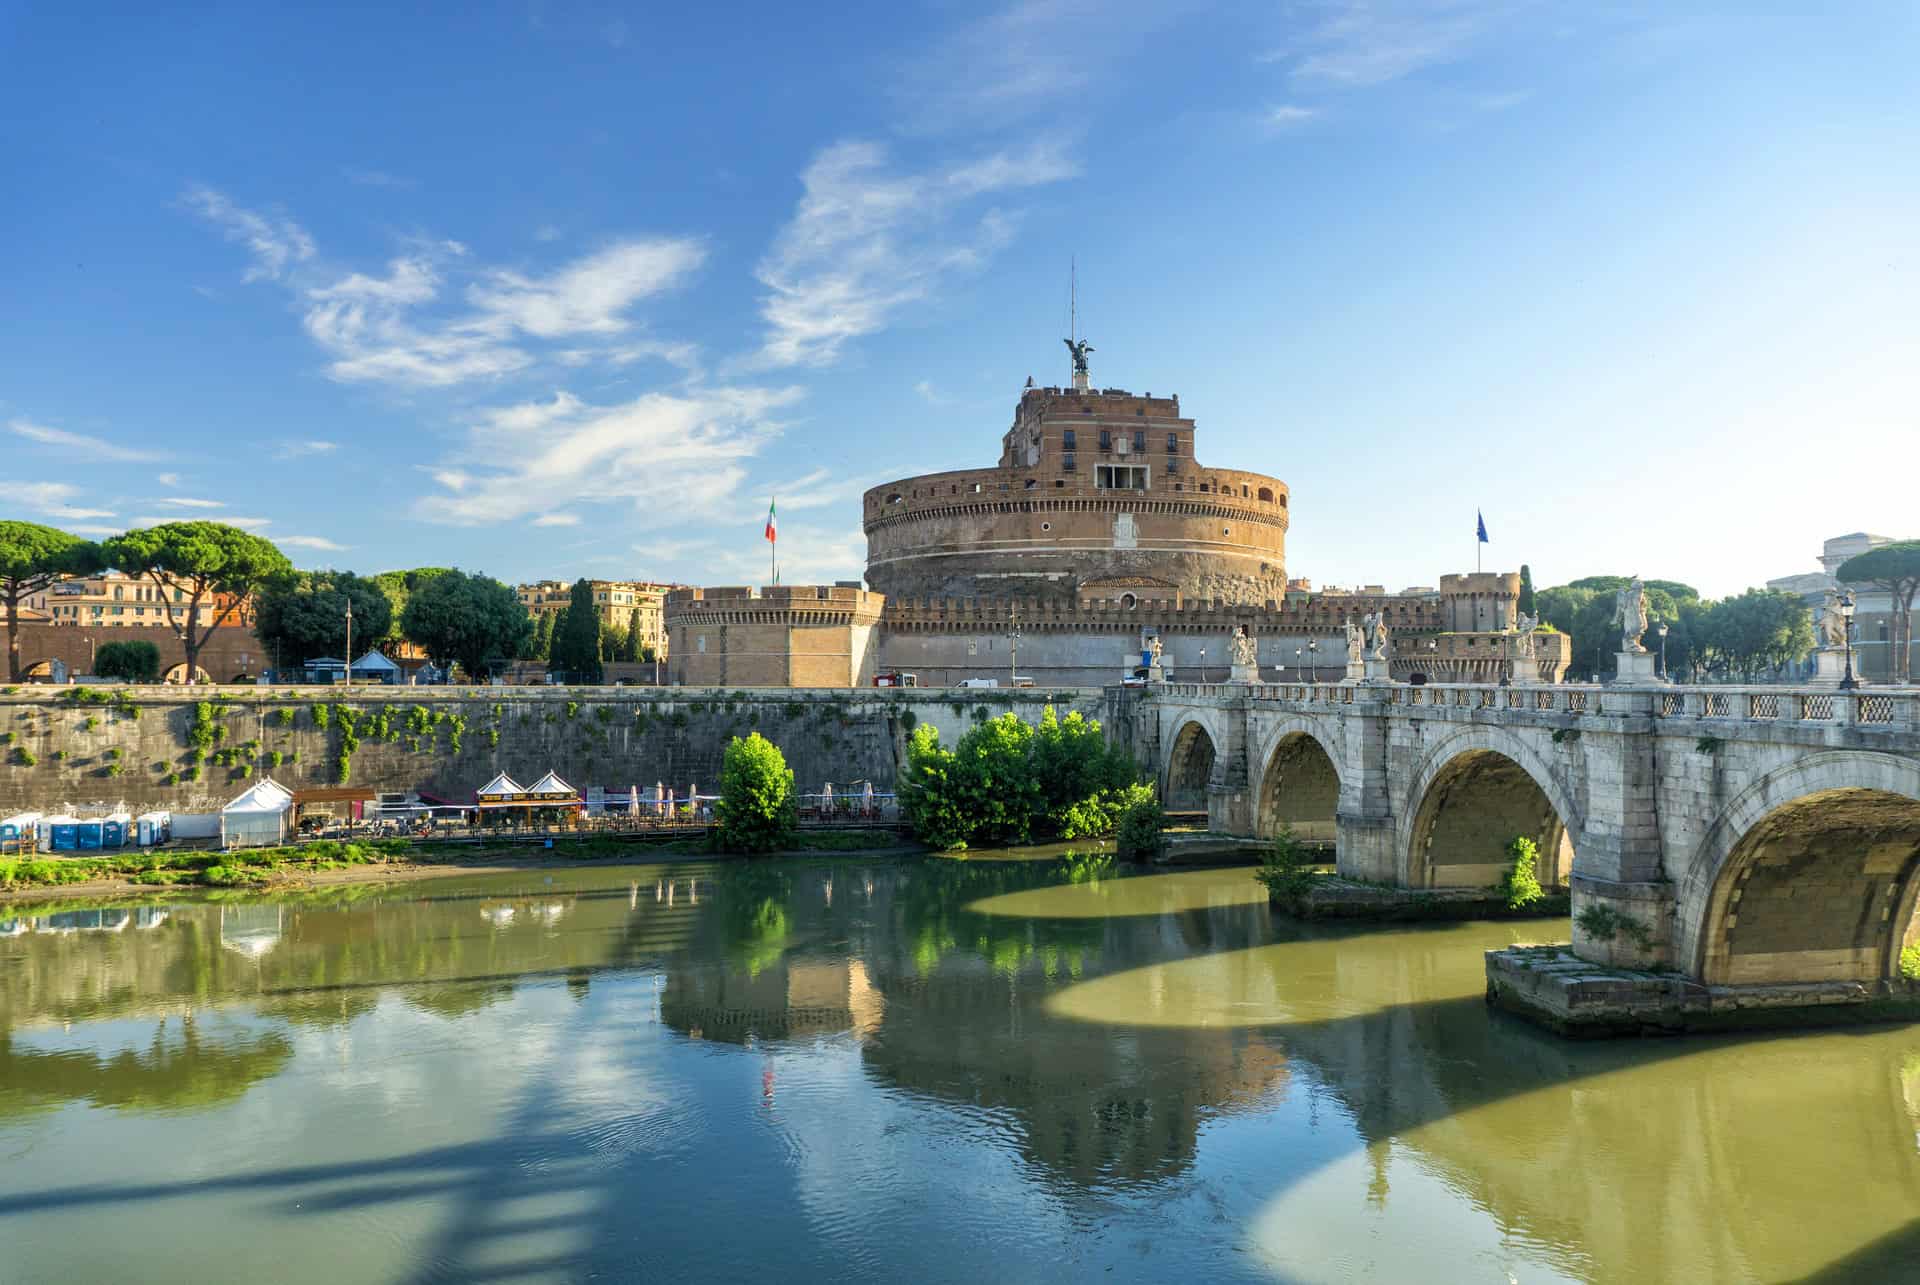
<point x="1476" y="790"/>
<point x="1190" y="766"/>
<point x="1300" y="783"/>
<point x="1810" y="874"/>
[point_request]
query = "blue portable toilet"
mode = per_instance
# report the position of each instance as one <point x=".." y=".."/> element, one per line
<point x="63" y="833"/>
<point x="113" y="830"/>
<point x="89" y="832"/>
<point x="21" y="825"/>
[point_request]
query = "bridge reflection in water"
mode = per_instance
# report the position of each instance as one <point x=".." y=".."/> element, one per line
<point x="924" y="1071"/>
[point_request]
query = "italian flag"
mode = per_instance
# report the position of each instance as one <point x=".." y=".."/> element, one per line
<point x="771" y="533"/>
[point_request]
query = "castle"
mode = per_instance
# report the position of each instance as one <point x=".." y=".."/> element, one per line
<point x="1098" y="530"/>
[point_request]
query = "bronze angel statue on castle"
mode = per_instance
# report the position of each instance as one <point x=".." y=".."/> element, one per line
<point x="1079" y="348"/>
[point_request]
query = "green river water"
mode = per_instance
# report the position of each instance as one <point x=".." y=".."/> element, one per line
<point x="932" y="1070"/>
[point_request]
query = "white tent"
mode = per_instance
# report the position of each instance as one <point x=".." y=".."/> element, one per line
<point x="500" y="789"/>
<point x="264" y="814"/>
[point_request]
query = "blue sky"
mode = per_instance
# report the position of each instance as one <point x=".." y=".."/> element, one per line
<point x="548" y="290"/>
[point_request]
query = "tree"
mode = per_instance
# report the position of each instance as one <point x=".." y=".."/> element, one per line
<point x="1895" y="568"/>
<point x="399" y="586"/>
<point x="1758" y="630"/>
<point x="468" y="619"/>
<point x="305" y="615"/>
<point x="757" y="808"/>
<point x="33" y="557"/>
<point x="197" y="565"/>
<point x="137" y="661"/>
<point x="576" y="637"/>
<point x="613" y="643"/>
<point x="542" y="645"/>
<point x="1526" y="590"/>
<point x="632" y="652"/>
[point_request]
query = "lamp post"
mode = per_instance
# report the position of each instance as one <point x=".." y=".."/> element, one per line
<point x="1013" y="640"/>
<point x="1847" y="683"/>
<point x="1663" y="652"/>
<point x="1203" y="664"/>
<point x="349" y="673"/>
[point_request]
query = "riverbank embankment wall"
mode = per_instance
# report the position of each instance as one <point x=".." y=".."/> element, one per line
<point x="193" y="750"/>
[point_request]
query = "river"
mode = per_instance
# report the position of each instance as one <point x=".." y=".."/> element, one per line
<point x="992" y="1069"/>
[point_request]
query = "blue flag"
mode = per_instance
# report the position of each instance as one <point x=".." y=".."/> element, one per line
<point x="1483" y="525"/>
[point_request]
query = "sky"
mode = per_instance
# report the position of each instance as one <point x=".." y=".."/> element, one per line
<point x="549" y="290"/>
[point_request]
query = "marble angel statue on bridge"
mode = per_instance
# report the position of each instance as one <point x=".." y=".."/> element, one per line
<point x="1630" y="613"/>
<point x="1356" y="642"/>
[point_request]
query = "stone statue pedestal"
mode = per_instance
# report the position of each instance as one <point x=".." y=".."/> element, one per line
<point x="1830" y="667"/>
<point x="1244" y="674"/>
<point x="1636" y="667"/>
<point x="1156" y="673"/>
<point x="1356" y="671"/>
<point x="1376" y="669"/>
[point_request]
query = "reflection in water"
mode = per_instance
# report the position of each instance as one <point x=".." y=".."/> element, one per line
<point x="932" y="1070"/>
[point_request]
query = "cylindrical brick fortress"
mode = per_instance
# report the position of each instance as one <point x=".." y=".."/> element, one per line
<point x="1097" y="493"/>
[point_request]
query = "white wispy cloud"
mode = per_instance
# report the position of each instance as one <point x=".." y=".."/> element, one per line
<point x="309" y="542"/>
<point x="589" y="296"/>
<point x="666" y="455"/>
<point x="372" y="326"/>
<point x="94" y="449"/>
<point x="52" y="499"/>
<point x="866" y="241"/>
<point x="1290" y="116"/>
<point x="167" y="479"/>
<point x="295" y="450"/>
<point x="273" y="241"/>
<point x="1358" y="44"/>
<point x="557" y="519"/>
<point x="1022" y="58"/>
<point x="182" y="502"/>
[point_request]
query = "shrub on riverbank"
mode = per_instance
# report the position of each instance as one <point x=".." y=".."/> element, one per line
<point x="1141" y="835"/>
<point x="1287" y="871"/>
<point x="1520" y="885"/>
<point x="1009" y="782"/>
<point x="757" y="809"/>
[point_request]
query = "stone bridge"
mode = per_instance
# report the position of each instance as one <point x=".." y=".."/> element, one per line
<point x="1739" y="835"/>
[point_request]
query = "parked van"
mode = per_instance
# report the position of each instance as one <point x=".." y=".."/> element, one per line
<point x="978" y="682"/>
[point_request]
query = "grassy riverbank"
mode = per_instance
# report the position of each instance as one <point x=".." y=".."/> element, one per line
<point x="262" y="867"/>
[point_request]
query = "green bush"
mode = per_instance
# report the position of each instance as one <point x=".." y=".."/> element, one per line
<point x="90" y="724"/>
<point x="1286" y="871"/>
<point x="137" y="662"/>
<point x="275" y="758"/>
<point x="343" y="768"/>
<point x="283" y="716"/>
<point x="322" y="716"/>
<point x="1910" y="962"/>
<point x="173" y="778"/>
<point x="1007" y="781"/>
<point x="1520" y="885"/>
<point x="757" y="808"/>
<point x="113" y="754"/>
<point x="1140" y="835"/>
<point x="24" y="756"/>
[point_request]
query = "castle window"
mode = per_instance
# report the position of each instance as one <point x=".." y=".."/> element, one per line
<point x="1031" y="484"/>
<point x="1266" y="495"/>
<point x="1057" y="482"/>
<point x="1046" y="526"/>
<point x="1173" y="443"/>
<point x="1067" y="440"/>
<point x="1140" y="440"/>
<point x="1067" y="463"/>
<point x="1128" y="601"/>
<point x="894" y="498"/>
<point x="1106" y="440"/>
<point x="1121" y="477"/>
